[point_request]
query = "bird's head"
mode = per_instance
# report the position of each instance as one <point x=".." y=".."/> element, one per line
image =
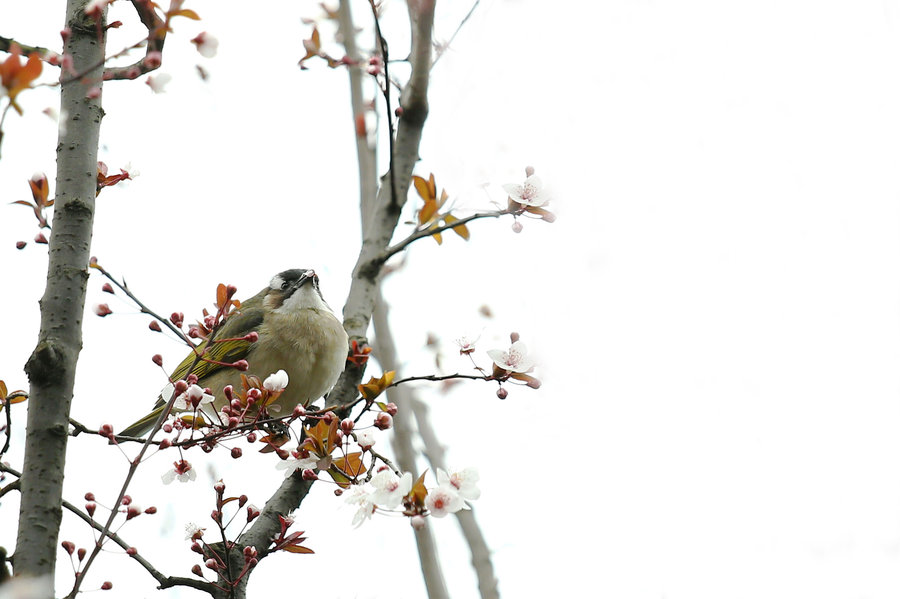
<point x="293" y="290"/>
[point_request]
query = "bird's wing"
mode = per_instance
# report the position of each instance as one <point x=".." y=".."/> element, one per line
<point x="222" y="353"/>
<point x="237" y="325"/>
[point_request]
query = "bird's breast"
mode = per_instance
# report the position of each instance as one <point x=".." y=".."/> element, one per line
<point x="310" y="345"/>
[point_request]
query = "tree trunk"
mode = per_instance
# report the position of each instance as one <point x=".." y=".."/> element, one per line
<point x="51" y="367"/>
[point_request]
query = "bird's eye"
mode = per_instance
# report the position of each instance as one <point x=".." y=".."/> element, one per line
<point x="285" y="285"/>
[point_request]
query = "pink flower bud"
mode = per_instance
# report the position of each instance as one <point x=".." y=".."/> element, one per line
<point x="150" y="510"/>
<point x="165" y="444"/>
<point x="180" y="387"/>
<point x="20" y="245"/>
<point x="383" y="421"/>
<point x="133" y="511"/>
<point x="251" y="437"/>
<point x="177" y="318"/>
<point x="529" y="170"/>
<point x="252" y="336"/>
<point x="102" y="310"/>
<point x="242" y="501"/>
<point x="106" y="586"/>
<point x="309" y="474"/>
<point x="391" y="408"/>
<point x="132" y="551"/>
<point x="211" y="564"/>
<point x="39" y="238"/>
<point x="417" y="522"/>
<point x="329" y="417"/>
<point x="250" y="552"/>
<point x="196" y="570"/>
<point x="126" y="499"/>
<point x="90" y="507"/>
<point x="107" y="288"/>
<point x="502" y="393"/>
<point x="347" y="426"/>
<point x="69" y="546"/>
<point x="338" y="492"/>
<point x="517" y="227"/>
<point x="191" y="379"/>
<point x="299" y="411"/>
<point x="513" y="337"/>
<point x="158" y="360"/>
<point x="241" y="365"/>
<point x="89" y="496"/>
<point x="154" y="326"/>
<point x="252" y="513"/>
<point x="236" y="452"/>
<point x="219" y="487"/>
<point x="196" y="548"/>
<point x="167" y="428"/>
<point x="82" y="552"/>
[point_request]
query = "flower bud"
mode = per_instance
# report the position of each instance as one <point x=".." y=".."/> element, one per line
<point x="309" y="474"/>
<point x="252" y="513"/>
<point x="107" y="288"/>
<point x="154" y="326"/>
<point x="165" y="444"/>
<point x="241" y="365"/>
<point x="502" y="393"/>
<point x="89" y="496"/>
<point x="82" y="552"/>
<point x="251" y="437"/>
<point x="417" y="522"/>
<point x="242" y="501"/>
<point x="196" y="570"/>
<point x="219" y="487"/>
<point x="180" y="387"/>
<point x="132" y="551"/>
<point x="383" y="421"/>
<point x="196" y="548"/>
<point x="69" y="546"/>
<point x="90" y="507"/>
<point x="150" y="510"/>
<point x="391" y="408"/>
<point x="157" y="359"/>
<point x="236" y="452"/>
<point x="347" y="426"/>
<point x="106" y="586"/>
<point x="126" y="499"/>
<point x="211" y="564"/>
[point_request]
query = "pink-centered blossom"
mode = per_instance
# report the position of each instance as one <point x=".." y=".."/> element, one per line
<point x="443" y="500"/>
<point x="514" y="360"/>
<point x="291" y="464"/>
<point x="529" y="193"/>
<point x="207" y="44"/>
<point x="389" y="489"/>
<point x="158" y="82"/>
<point x="465" y="482"/>
<point x="361" y="497"/>
<point x="183" y="471"/>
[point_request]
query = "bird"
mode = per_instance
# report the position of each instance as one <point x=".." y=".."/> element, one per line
<point x="298" y="333"/>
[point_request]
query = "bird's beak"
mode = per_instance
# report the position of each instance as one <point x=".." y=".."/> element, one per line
<point x="309" y="275"/>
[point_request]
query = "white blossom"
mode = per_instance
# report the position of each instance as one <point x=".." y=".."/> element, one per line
<point x="276" y="382"/>
<point x="529" y="193"/>
<point x="515" y="360"/>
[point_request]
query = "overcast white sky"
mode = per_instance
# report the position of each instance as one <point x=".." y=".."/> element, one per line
<point x="715" y="312"/>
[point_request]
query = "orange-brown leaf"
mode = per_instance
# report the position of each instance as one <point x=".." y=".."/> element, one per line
<point x="185" y="12"/>
<point x="221" y="295"/>
<point x="3" y="390"/>
<point x="427" y="212"/>
<point x="461" y="230"/>
<point x="298" y="549"/>
<point x="351" y="464"/>
<point x="422" y="188"/>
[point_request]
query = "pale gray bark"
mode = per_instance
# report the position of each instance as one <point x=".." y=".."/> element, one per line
<point x="51" y="367"/>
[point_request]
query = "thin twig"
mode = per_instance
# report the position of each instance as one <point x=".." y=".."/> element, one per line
<point x="445" y="47"/>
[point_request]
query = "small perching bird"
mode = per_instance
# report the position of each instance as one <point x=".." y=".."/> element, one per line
<point x="298" y="333"/>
